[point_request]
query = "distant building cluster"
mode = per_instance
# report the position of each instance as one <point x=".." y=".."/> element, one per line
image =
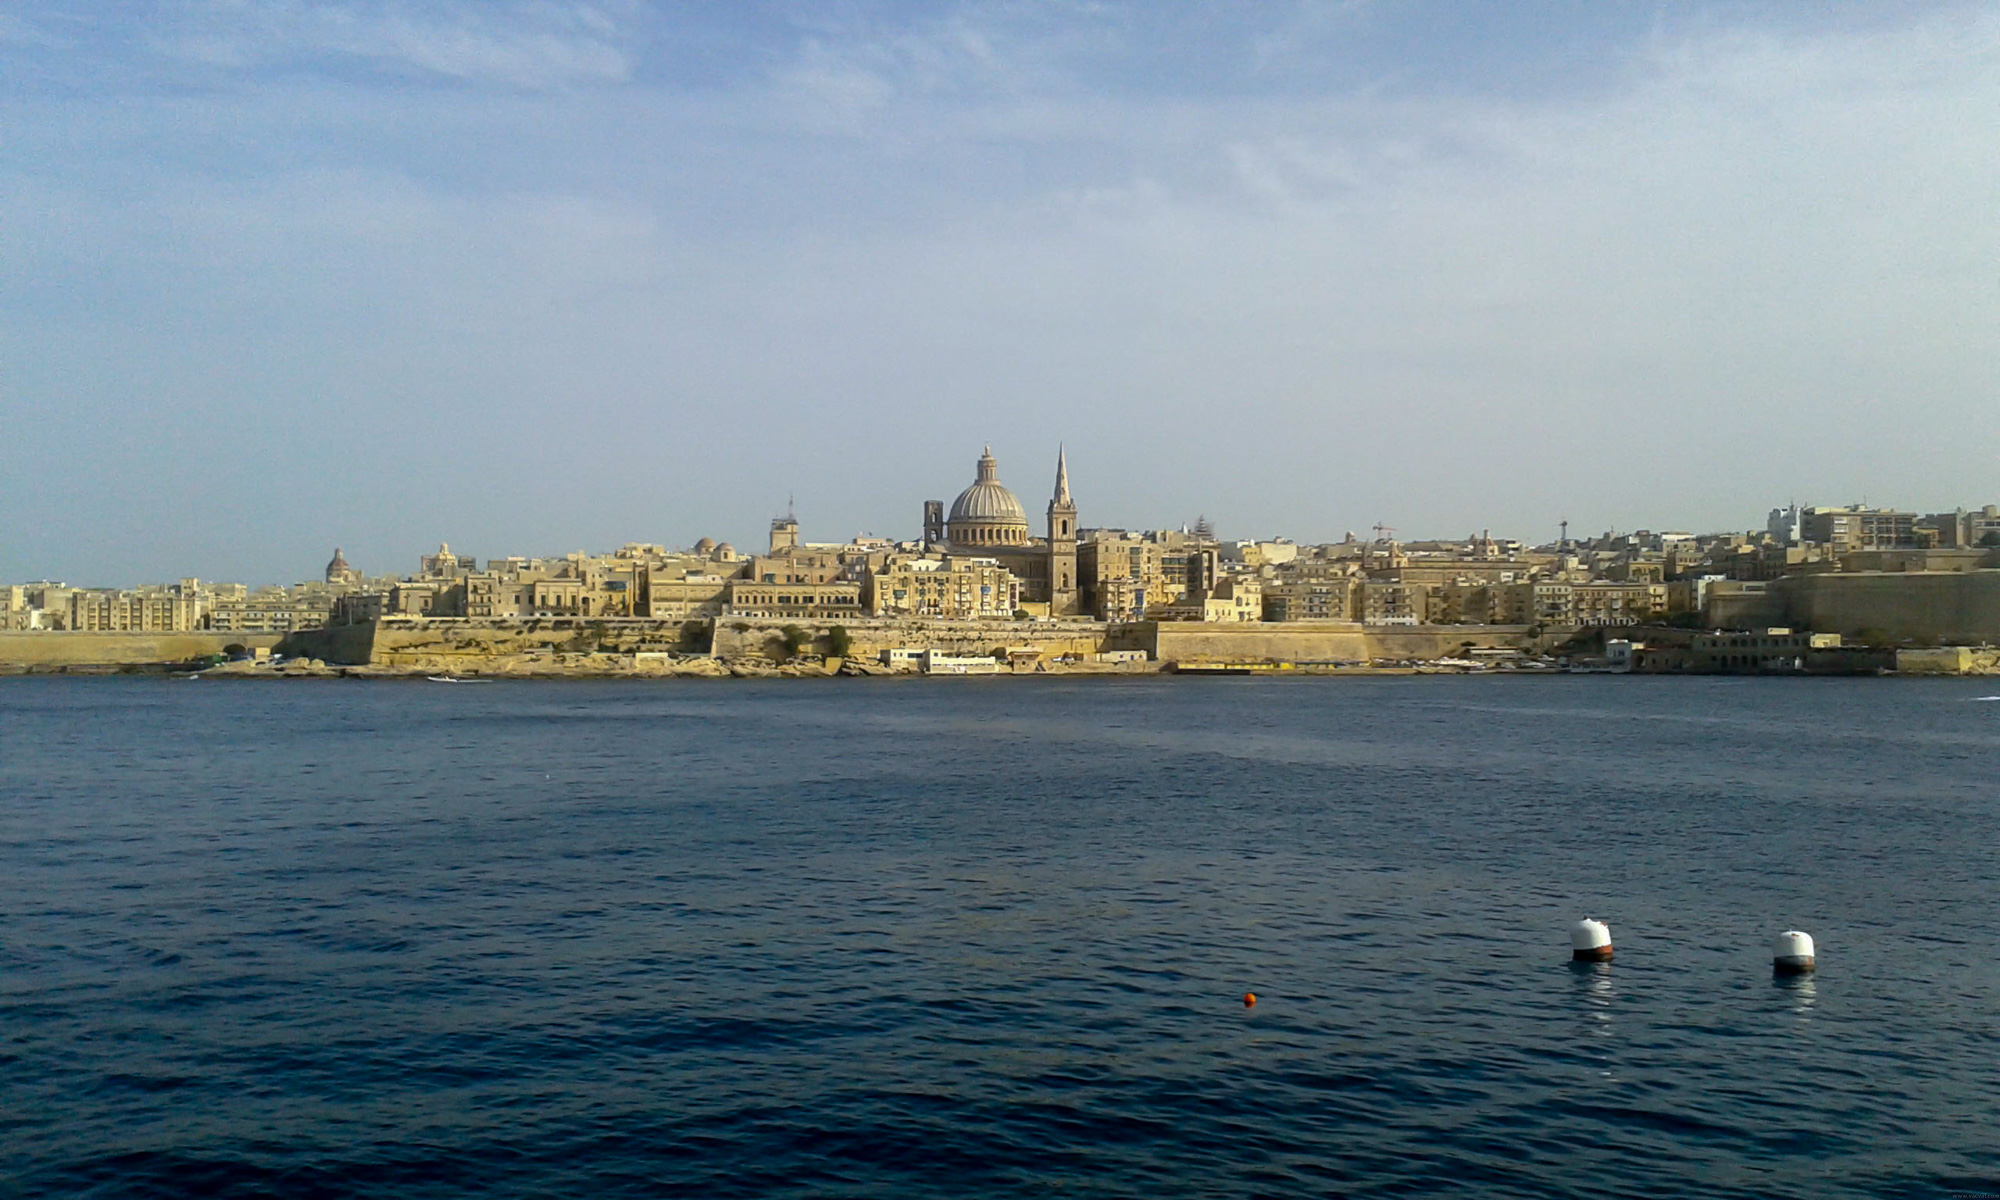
<point x="981" y="559"/>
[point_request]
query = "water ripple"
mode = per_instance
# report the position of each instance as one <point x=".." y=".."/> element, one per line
<point x="922" y="939"/>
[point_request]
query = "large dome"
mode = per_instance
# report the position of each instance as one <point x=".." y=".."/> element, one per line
<point x="987" y="514"/>
<point x="338" y="571"/>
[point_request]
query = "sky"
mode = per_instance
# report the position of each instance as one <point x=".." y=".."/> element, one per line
<point x="534" y="277"/>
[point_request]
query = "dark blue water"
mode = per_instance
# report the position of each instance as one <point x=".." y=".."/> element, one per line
<point x="988" y="938"/>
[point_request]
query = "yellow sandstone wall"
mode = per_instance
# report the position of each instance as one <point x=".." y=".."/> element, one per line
<point x="429" y="642"/>
<point x="1954" y="607"/>
<point x="761" y="638"/>
<point x="52" y="649"/>
<point x="1319" y="641"/>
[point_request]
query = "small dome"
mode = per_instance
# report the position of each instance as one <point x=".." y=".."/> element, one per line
<point x="725" y="550"/>
<point x="705" y="546"/>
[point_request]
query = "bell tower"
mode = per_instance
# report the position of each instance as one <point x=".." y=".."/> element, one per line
<point x="1062" y="543"/>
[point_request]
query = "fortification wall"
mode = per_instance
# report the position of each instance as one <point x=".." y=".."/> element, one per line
<point x="435" y="642"/>
<point x="1758" y="609"/>
<point x="1948" y="660"/>
<point x="1319" y="641"/>
<point x="57" y="649"/>
<point x="753" y="638"/>
<point x="1954" y="607"/>
<point x="350" y="645"/>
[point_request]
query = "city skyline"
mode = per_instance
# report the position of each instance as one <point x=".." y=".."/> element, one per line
<point x="538" y="276"/>
<point x="374" y="565"/>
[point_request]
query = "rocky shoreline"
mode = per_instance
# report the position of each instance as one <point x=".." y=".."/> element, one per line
<point x="561" y="666"/>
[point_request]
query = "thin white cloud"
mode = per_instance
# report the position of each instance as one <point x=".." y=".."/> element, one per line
<point x="515" y="44"/>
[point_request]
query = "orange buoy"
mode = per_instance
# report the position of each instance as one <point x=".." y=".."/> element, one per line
<point x="1249" y="999"/>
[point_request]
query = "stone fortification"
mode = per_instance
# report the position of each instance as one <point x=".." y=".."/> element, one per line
<point x="581" y="645"/>
<point x="746" y="638"/>
<point x="1953" y="607"/>
<point x="1317" y="641"/>
<point x="443" y="643"/>
<point x="57" y="649"/>
<point x="1948" y="660"/>
<point x="575" y="645"/>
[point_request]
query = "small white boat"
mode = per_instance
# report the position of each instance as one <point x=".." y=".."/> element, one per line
<point x="454" y="679"/>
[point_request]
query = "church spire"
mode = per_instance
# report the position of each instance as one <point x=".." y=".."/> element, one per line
<point x="1062" y="476"/>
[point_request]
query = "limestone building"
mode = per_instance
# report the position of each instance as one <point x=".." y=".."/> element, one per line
<point x="988" y="521"/>
<point x="947" y="587"/>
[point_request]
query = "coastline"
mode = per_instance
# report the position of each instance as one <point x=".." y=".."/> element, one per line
<point x="488" y="673"/>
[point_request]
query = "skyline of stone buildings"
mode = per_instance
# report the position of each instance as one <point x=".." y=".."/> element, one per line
<point x="980" y="559"/>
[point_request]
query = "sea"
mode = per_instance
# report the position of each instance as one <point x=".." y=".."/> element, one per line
<point x="993" y="937"/>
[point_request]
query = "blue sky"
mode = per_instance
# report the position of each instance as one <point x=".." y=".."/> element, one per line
<point x="536" y="277"/>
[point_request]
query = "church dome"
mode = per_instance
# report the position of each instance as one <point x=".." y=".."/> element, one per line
<point x="338" y="571"/>
<point x="987" y="513"/>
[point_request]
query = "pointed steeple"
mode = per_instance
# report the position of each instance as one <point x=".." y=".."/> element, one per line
<point x="1062" y="476"/>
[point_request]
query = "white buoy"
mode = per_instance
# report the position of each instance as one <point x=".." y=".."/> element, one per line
<point x="1590" y="941"/>
<point x="1792" y="953"/>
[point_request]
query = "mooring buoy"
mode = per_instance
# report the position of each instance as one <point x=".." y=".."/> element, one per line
<point x="1792" y="953"/>
<point x="1590" y="941"/>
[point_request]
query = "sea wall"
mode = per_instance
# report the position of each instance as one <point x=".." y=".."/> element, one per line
<point x="1948" y="660"/>
<point x="739" y="638"/>
<point x="348" y="644"/>
<point x="49" y="648"/>
<point x="1318" y="641"/>
<point x="436" y="642"/>
<point x="446" y="644"/>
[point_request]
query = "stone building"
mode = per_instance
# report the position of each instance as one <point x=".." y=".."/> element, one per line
<point x="1308" y="600"/>
<point x="1858" y="528"/>
<point x="273" y="610"/>
<point x="808" y="601"/>
<point x="948" y="587"/>
<point x="1122" y="575"/>
<point x="1393" y="602"/>
<point x="987" y="520"/>
<point x="1607" y="602"/>
<point x="151" y="610"/>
